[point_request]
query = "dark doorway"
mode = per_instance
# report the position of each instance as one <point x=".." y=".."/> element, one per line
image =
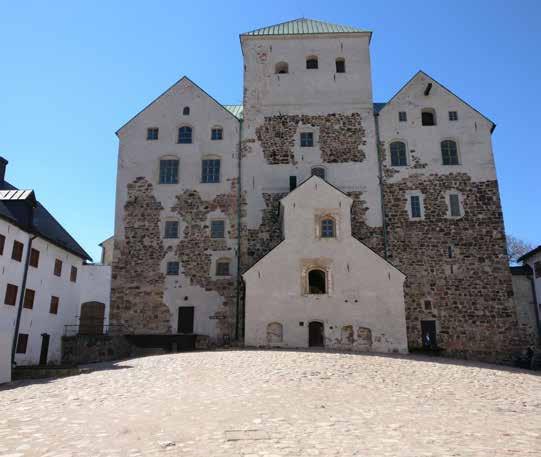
<point x="44" y="348"/>
<point x="315" y="334"/>
<point x="91" y="319"/>
<point x="428" y="332"/>
<point x="185" y="319"/>
<point x="317" y="282"/>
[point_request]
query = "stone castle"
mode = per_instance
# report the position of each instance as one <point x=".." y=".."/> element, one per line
<point x="310" y="215"/>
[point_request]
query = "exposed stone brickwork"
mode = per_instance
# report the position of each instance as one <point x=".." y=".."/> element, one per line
<point x="371" y="236"/>
<point x="470" y="292"/>
<point x="341" y="137"/>
<point x="194" y="250"/>
<point x="137" y="281"/>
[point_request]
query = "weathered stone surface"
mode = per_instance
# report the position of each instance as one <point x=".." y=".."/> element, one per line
<point x="470" y="291"/>
<point x="81" y="349"/>
<point x="341" y="137"/>
<point x="137" y="281"/>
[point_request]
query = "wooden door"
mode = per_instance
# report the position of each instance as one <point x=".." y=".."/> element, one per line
<point x="44" y="349"/>
<point x="315" y="334"/>
<point x="185" y="319"/>
<point x="428" y="332"/>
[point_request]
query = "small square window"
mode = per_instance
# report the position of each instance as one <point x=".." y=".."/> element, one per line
<point x="169" y="171"/>
<point x="415" y="202"/>
<point x="217" y="229"/>
<point x="222" y="268"/>
<point x="152" y="133"/>
<point x="29" y="296"/>
<point x="307" y="139"/>
<point x="2" y="244"/>
<point x="173" y="268"/>
<point x="340" y="66"/>
<point x="73" y="274"/>
<point x="17" y="252"/>
<point x="34" y="258"/>
<point x="11" y="295"/>
<point x="53" y="307"/>
<point x="171" y="229"/>
<point x="210" y="172"/>
<point x="22" y="343"/>
<point x="402" y="116"/>
<point x="216" y="134"/>
<point x="58" y="267"/>
<point x="453" y="116"/>
<point x="454" y="205"/>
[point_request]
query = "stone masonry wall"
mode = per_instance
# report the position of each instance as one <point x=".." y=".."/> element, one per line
<point x="341" y="137"/>
<point x="137" y="281"/>
<point x="469" y="293"/>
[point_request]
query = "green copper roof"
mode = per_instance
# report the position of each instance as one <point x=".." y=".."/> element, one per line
<point x="304" y="27"/>
<point x="235" y="110"/>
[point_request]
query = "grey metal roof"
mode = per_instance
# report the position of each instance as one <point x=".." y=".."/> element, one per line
<point x="45" y="225"/>
<point x="235" y="110"/>
<point x="530" y="253"/>
<point x="303" y="26"/>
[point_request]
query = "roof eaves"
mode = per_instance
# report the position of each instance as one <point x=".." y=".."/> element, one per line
<point x="530" y="253"/>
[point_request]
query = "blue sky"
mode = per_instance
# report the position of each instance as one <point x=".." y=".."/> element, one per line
<point x="72" y="73"/>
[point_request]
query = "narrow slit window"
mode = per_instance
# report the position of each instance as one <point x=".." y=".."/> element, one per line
<point x="292" y="183"/>
<point x="454" y="205"/>
<point x="2" y="244"/>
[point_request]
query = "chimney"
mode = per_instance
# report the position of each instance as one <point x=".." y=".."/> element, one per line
<point x="3" y="163"/>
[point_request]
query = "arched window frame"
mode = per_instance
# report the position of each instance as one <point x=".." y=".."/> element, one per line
<point x="186" y="111"/>
<point x="457" y="149"/>
<point x="340" y="64"/>
<point x="281" y="335"/>
<point x="312" y="62"/>
<point x="185" y="128"/>
<point x="325" y="216"/>
<point x="318" y="167"/>
<point x="399" y="162"/>
<point x="305" y="285"/>
<point x="281" y="68"/>
<point x="324" y="225"/>
<point x="434" y="118"/>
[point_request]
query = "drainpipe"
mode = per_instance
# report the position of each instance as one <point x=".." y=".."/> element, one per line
<point x="380" y="178"/>
<point x="21" y="298"/>
<point x="239" y="200"/>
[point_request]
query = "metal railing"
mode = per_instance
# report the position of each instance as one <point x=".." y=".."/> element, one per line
<point x="94" y="329"/>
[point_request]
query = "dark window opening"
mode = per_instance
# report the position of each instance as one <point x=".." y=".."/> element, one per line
<point x="292" y="183"/>
<point x="210" y="172"/>
<point x="53" y="307"/>
<point x="311" y="63"/>
<point x="152" y="134"/>
<point x="398" y="154"/>
<point x="216" y="133"/>
<point x="169" y="171"/>
<point x="428" y="333"/>
<point x="281" y="68"/>
<point x="57" y="267"/>
<point x="217" y="229"/>
<point x="173" y="268"/>
<point x="307" y="139"/>
<point x="428" y="118"/>
<point x="327" y="228"/>
<point x="428" y="305"/>
<point x="171" y="229"/>
<point x="402" y="116"/>
<point x="449" y="152"/>
<point x="319" y="172"/>
<point x="340" y="65"/>
<point x="73" y="274"/>
<point x="453" y="116"/>
<point x="29" y="296"/>
<point x="34" y="258"/>
<point x="17" y="252"/>
<point x="317" y="283"/>
<point x="537" y="269"/>
<point x="450" y="251"/>
<point x="222" y="268"/>
<point x="185" y="135"/>
<point x="415" y="202"/>
<point x="2" y="244"/>
<point x="11" y="295"/>
<point x="186" y="111"/>
<point x="22" y="343"/>
<point x="454" y="203"/>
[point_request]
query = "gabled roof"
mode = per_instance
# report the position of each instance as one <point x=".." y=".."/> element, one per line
<point x="45" y="225"/>
<point x="420" y="72"/>
<point x="530" y="253"/>
<point x="303" y="26"/>
<point x="322" y="181"/>
<point x="167" y="90"/>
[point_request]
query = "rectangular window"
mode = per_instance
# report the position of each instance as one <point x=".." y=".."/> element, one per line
<point x="210" y="171"/>
<point x="402" y="116"/>
<point x="53" y="308"/>
<point x="173" y="268"/>
<point x="292" y="183"/>
<point x="17" y="252"/>
<point x="152" y="133"/>
<point x="73" y="274"/>
<point x="216" y="134"/>
<point x="415" y="201"/>
<point x="11" y="295"/>
<point x="453" y="116"/>
<point x="2" y="243"/>
<point x="340" y="66"/>
<point x="34" y="258"/>
<point x="169" y="171"/>
<point x="307" y="139"/>
<point x="222" y="269"/>
<point x="22" y="343"/>
<point x="217" y="229"/>
<point x="29" y="296"/>
<point x="58" y="267"/>
<point x="454" y="204"/>
<point x="171" y="229"/>
<point x="537" y="269"/>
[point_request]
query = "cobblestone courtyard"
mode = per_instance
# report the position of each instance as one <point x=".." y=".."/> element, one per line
<point x="276" y="403"/>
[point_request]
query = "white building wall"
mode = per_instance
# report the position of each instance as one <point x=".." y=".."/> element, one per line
<point x="531" y="261"/>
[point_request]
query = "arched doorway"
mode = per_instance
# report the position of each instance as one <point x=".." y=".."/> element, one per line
<point x="91" y="319"/>
<point x="315" y="334"/>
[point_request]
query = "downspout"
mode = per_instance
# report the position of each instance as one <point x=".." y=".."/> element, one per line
<point x="239" y="201"/>
<point x="21" y="298"/>
<point x="380" y="177"/>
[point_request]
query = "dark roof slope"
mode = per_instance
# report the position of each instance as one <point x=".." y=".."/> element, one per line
<point x="531" y="253"/>
<point x="46" y="226"/>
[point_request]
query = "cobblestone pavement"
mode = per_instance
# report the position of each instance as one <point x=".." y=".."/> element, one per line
<point x="276" y="403"/>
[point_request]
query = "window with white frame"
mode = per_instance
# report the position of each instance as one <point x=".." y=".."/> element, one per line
<point x="328" y="228"/>
<point x="173" y="268"/>
<point x="454" y="205"/>
<point x="415" y="207"/>
<point x="449" y="152"/>
<point x="307" y="139"/>
<point x="399" y="157"/>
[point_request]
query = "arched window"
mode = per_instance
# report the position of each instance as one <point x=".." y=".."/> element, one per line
<point x="319" y="172"/>
<point x="317" y="282"/>
<point x="398" y="154"/>
<point x="185" y="135"/>
<point x="449" y="152"/>
<point x="274" y="332"/>
<point x="186" y="111"/>
<point x="311" y="62"/>
<point x="428" y="117"/>
<point x="340" y="65"/>
<point x="281" y="68"/>
<point x="327" y="228"/>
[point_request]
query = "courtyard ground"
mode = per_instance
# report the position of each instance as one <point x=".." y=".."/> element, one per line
<point x="276" y="403"/>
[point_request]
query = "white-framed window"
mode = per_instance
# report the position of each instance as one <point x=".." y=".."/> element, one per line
<point x="169" y="171"/>
<point x="399" y="156"/>
<point x="172" y="268"/>
<point x="449" y="152"/>
<point x="415" y="205"/>
<point x="307" y="139"/>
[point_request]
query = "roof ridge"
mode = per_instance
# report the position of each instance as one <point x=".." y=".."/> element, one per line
<point x="303" y="26"/>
